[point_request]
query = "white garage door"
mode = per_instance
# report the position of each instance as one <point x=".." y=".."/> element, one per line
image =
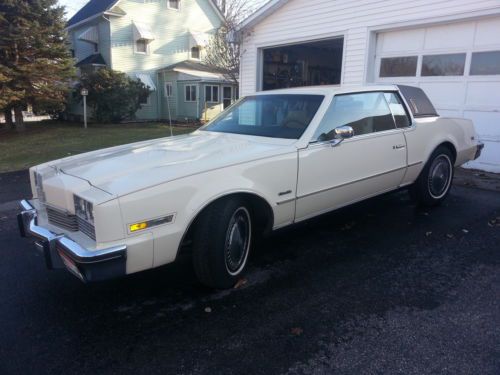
<point x="458" y="66"/>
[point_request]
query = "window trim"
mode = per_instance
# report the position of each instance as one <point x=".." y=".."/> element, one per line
<point x="148" y="102"/>
<point x="196" y="93"/>
<point x="165" y="89"/>
<point x="212" y="94"/>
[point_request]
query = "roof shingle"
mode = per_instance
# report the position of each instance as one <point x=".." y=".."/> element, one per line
<point x="92" y="8"/>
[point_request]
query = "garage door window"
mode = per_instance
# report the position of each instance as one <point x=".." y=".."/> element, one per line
<point x="485" y="63"/>
<point x="443" y="65"/>
<point x="405" y="66"/>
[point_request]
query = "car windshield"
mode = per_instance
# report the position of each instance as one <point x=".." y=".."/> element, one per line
<point x="276" y="116"/>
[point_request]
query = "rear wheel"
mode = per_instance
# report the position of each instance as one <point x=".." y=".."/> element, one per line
<point x="434" y="183"/>
<point x="221" y="243"/>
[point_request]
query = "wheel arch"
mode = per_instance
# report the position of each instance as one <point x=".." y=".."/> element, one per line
<point x="262" y="213"/>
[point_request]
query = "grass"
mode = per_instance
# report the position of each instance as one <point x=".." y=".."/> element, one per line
<point x="45" y="141"/>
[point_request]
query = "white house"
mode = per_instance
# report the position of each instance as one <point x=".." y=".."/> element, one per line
<point x="450" y="48"/>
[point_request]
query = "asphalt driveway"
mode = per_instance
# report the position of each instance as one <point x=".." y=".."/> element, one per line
<point x="380" y="287"/>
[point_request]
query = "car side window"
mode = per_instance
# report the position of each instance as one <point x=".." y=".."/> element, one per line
<point x="398" y="110"/>
<point x="365" y="112"/>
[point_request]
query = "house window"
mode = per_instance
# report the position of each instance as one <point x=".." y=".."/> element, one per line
<point x="452" y="64"/>
<point x="398" y="66"/>
<point x="212" y="94"/>
<point x="168" y="89"/>
<point x="485" y="63"/>
<point x="96" y="47"/>
<point x="141" y="46"/>
<point x="173" y="4"/>
<point x="195" y="53"/>
<point x="190" y="93"/>
<point x="145" y="101"/>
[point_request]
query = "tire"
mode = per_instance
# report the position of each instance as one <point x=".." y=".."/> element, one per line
<point x="221" y="243"/>
<point x="434" y="183"/>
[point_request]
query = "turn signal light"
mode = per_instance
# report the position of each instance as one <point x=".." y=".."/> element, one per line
<point x="138" y="226"/>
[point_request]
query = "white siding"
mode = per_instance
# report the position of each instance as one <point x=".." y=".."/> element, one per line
<point x="301" y="20"/>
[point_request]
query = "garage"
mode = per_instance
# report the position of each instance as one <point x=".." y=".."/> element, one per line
<point x="458" y="65"/>
<point x="303" y="64"/>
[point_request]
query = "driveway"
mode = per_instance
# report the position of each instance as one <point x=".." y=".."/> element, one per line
<point x="380" y="287"/>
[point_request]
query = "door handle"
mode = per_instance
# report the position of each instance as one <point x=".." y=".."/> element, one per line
<point x="397" y="147"/>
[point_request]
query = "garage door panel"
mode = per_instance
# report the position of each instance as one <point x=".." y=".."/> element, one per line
<point x="487" y="123"/>
<point x="408" y="40"/>
<point x="450" y="36"/>
<point x="487" y="33"/>
<point x="484" y="95"/>
<point x="446" y="95"/>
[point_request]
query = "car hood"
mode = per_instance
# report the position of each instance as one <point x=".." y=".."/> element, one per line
<point x="125" y="169"/>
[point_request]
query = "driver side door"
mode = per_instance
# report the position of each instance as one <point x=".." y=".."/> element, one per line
<point x="373" y="161"/>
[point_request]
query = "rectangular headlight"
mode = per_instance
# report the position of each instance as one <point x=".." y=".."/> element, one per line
<point x="84" y="209"/>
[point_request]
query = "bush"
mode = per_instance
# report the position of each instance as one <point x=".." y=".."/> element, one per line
<point x="113" y="96"/>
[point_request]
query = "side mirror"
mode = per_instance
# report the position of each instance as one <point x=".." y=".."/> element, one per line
<point x="341" y="133"/>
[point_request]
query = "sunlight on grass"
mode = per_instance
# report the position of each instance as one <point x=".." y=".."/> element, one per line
<point x="47" y="141"/>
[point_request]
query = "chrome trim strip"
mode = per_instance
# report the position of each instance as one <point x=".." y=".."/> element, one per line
<point x="414" y="164"/>
<point x="350" y="183"/>
<point x="285" y="202"/>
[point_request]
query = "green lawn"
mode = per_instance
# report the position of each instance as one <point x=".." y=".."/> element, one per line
<point x="45" y="141"/>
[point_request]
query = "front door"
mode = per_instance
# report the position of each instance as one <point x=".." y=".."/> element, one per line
<point x="227" y="96"/>
<point x="372" y="162"/>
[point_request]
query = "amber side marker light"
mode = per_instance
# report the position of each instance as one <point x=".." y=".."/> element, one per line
<point x="151" y="223"/>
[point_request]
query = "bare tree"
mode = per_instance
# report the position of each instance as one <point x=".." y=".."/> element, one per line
<point x="223" y="51"/>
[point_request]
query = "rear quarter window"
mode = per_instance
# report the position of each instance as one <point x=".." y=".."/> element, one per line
<point x="418" y="102"/>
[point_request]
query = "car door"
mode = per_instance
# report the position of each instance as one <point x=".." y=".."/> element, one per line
<point x="371" y="162"/>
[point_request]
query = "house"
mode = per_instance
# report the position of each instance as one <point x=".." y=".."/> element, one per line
<point x="450" y="48"/>
<point x="159" y="42"/>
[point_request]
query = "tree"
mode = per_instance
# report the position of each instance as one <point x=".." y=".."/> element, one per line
<point x="113" y="96"/>
<point x="223" y="50"/>
<point x="35" y="64"/>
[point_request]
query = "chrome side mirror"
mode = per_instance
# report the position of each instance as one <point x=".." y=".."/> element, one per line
<point x="341" y="133"/>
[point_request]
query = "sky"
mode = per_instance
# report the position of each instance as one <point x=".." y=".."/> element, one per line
<point x="72" y="6"/>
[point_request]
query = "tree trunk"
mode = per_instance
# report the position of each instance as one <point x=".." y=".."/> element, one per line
<point x="18" y="112"/>
<point x="8" y="118"/>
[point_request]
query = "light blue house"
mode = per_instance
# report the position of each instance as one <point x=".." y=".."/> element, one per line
<point x="161" y="43"/>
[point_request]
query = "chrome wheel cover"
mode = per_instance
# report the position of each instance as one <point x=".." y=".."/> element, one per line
<point x="237" y="243"/>
<point x="439" y="179"/>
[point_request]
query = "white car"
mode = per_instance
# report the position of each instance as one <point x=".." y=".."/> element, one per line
<point x="273" y="159"/>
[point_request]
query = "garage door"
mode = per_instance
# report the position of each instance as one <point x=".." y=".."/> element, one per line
<point x="458" y="65"/>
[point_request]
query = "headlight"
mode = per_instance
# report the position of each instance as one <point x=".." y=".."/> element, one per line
<point x="84" y="209"/>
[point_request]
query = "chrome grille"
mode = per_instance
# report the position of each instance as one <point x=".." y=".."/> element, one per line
<point x="62" y="219"/>
<point x="86" y="228"/>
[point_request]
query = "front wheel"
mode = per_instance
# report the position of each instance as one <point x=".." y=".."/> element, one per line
<point x="222" y="240"/>
<point x="434" y="183"/>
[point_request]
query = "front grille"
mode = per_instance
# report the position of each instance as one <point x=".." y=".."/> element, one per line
<point x="86" y="228"/>
<point x="62" y="219"/>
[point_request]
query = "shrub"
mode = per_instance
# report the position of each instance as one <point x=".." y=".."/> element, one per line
<point x="113" y="96"/>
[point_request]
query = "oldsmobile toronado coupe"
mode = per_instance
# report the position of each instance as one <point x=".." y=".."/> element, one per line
<point x="272" y="159"/>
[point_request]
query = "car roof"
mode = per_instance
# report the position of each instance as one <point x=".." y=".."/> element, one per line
<point x="329" y="89"/>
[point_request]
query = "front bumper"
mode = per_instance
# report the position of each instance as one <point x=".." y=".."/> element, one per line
<point x="60" y="251"/>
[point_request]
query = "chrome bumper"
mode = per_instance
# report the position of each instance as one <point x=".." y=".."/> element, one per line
<point x="60" y="251"/>
<point x="479" y="149"/>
